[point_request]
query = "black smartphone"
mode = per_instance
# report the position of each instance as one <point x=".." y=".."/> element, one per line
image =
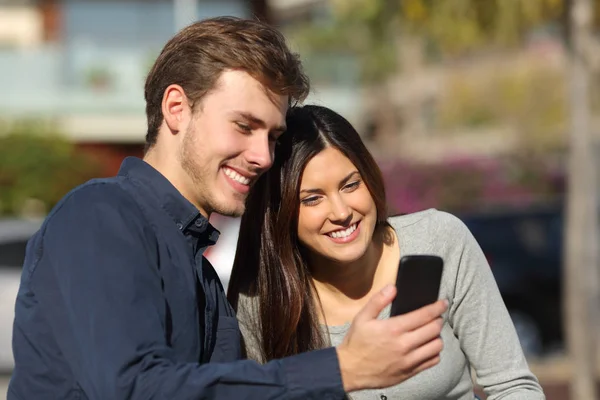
<point x="418" y="282"/>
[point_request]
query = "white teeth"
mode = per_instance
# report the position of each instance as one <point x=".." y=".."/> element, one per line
<point x="236" y="177"/>
<point x="344" y="233"/>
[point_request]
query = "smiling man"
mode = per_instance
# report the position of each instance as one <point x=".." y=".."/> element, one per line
<point x="116" y="299"/>
<point x="223" y="143"/>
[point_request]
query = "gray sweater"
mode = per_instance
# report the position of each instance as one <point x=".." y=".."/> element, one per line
<point x="477" y="332"/>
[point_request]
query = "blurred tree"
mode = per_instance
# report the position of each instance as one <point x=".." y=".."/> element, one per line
<point x="582" y="278"/>
<point x="369" y="32"/>
<point x="367" y="29"/>
<point x="390" y="36"/>
<point x="530" y="97"/>
<point x="456" y="26"/>
<point x="371" y="28"/>
<point x="37" y="164"/>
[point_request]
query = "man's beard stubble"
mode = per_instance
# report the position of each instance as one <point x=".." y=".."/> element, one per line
<point x="188" y="158"/>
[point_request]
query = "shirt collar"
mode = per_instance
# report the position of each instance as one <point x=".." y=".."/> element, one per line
<point x="184" y="214"/>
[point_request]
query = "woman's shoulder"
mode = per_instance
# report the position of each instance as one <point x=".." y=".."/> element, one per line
<point x="430" y="221"/>
<point x="430" y="230"/>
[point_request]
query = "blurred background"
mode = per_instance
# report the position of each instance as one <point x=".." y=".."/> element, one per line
<point x="486" y="109"/>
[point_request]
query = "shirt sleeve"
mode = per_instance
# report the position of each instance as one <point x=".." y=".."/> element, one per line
<point x="97" y="283"/>
<point x="483" y="326"/>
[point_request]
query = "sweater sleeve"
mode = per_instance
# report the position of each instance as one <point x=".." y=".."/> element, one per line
<point x="247" y="315"/>
<point x="483" y="326"/>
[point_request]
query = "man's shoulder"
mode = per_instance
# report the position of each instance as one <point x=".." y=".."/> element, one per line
<point x="99" y="186"/>
<point x="94" y="199"/>
<point x="91" y="214"/>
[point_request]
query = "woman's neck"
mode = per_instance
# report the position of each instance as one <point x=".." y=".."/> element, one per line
<point x="343" y="288"/>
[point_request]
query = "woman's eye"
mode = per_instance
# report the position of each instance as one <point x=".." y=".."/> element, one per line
<point x="310" y="201"/>
<point x="351" y="186"/>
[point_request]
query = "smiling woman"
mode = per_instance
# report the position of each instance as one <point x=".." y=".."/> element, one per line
<point x="316" y="243"/>
<point x="336" y="208"/>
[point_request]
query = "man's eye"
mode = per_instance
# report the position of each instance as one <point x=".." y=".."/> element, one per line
<point x="243" y="127"/>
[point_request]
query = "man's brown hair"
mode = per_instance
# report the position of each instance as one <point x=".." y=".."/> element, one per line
<point x="196" y="56"/>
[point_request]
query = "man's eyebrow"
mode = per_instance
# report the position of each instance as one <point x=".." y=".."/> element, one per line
<point x="342" y="183"/>
<point x="257" y="121"/>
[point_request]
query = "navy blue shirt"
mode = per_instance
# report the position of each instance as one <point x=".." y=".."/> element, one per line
<point x="117" y="302"/>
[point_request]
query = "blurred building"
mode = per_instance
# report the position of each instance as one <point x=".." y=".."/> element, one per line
<point x="82" y="63"/>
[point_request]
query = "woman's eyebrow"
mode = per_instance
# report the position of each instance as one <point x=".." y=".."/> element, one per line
<point x="342" y="183"/>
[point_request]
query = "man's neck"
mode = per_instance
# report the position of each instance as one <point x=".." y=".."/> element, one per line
<point x="171" y="169"/>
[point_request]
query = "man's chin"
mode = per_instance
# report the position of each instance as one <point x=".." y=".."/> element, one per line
<point x="233" y="214"/>
<point x="231" y="210"/>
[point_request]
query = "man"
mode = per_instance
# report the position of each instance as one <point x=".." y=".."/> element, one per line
<point x="116" y="299"/>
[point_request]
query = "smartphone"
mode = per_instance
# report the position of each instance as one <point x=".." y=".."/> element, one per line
<point x="418" y="282"/>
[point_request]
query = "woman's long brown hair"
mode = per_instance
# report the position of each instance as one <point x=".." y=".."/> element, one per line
<point x="268" y="261"/>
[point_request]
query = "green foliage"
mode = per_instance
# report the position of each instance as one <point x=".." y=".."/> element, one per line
<point x="458" y="26"/>
<point x="370" y="29"/>
<point x="529" y="96"/>
<point x="37" y="163"/>
<point x="366" y="29"/>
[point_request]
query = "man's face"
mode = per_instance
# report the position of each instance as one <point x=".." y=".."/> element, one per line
<point x="230" y="142"/>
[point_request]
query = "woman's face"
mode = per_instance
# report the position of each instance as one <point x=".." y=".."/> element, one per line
<point x="337" y="214"/>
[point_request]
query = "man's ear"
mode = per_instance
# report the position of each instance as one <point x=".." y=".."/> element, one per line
<point x="175" y="108"/>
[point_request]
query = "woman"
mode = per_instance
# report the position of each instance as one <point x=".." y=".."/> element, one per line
<point x="316" y="242"/>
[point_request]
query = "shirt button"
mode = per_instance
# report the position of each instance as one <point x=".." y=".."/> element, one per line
<point x="200" y="223"/>
<point x="179" y="226"/>
<point x="383" y="397"/>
